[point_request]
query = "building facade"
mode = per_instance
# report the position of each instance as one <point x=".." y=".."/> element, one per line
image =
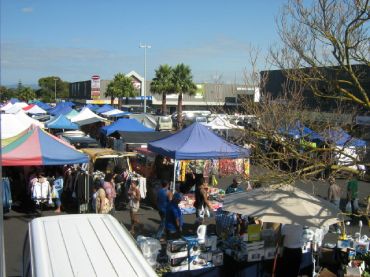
<point x="207" y="95"/>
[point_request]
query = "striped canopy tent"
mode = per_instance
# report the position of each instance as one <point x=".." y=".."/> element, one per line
<point x="38" y="147"/>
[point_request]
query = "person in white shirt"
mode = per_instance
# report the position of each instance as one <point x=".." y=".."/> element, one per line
<point x="292" y="239"/>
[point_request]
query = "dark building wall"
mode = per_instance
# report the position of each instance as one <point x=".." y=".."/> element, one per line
<point x="80" y="90"/>
<point x="277" y="83"/>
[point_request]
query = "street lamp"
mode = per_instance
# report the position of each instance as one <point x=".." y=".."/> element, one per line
<point x="55" y="89"/>
<point x="145" y="46"/>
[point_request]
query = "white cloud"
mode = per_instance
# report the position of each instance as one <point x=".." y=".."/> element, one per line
<point x="27" y="10"/>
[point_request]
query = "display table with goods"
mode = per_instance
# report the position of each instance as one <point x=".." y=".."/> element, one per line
<point x="215" y="198"/>
<point x="355" y="252"/>
<point x="184" y="255"/>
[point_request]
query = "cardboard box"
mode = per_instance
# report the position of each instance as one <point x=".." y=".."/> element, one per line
<point x="206" y="256"/>
<point x="255" y="255"/>
<point x="269" y="253"/>
<point x="179" y="261"/>
<point x="176" y="255"/>
<point x="343" y="243"/>
<point x="217" y="258"/>
<point x="254" y="232"/>
<point x="174" y="246"/>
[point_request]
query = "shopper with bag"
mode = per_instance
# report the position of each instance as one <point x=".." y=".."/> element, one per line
<point x="201" y="204"/>
<point x="102" y="203"/>
<point x="134" y="204"/>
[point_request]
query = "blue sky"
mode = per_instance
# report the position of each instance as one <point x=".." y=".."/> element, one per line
<point x="75" y="39"/>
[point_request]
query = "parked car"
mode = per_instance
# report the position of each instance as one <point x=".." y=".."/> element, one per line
<point x="79" y="139"/>
<point x="106" y="159"/>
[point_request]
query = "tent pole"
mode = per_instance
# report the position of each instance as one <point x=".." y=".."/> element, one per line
<point x="174" y="177"/>
<point x="2" y="245"/>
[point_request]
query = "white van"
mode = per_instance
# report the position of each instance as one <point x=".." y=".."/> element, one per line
<point x="164" y="123"/>
<point x="81" y="245"/>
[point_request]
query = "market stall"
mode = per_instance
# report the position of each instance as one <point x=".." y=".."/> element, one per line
<point x="196" y="142"/>
<point x="268" y="208"/>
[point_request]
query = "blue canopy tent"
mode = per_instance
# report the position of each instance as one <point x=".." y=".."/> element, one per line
<point x="196" y="142"/>
<point x="125" y="125"/>
<point x="61" y="122"/>
<point x="41" y="104"/>
<point x="62" y="110"/>
<point x="298" y="131"/>
<point x="92" y="107"/>
<point x="341" y="138"/>
<point x="58" y="107"/>
<point x="14" y="100"/>
<point x="104" y="109"/>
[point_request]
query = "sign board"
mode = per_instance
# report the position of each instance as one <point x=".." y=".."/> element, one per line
<point x="199" y="93"/>
<point x="95" y="87"/>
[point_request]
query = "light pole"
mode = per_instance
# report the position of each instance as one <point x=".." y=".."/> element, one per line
<point x="145" y="46"/>
<point x="55" y="89"/>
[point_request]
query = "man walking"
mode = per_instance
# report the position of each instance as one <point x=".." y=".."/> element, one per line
<point x="164" y="197"/>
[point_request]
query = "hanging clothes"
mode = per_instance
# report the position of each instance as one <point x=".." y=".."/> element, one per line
<point x="142" y="187"/>
<point x="7" y="195"/>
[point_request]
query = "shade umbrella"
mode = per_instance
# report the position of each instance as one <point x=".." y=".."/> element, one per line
<point x="286" y="205"/>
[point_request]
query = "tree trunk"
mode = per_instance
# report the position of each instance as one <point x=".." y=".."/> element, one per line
<point x="119" y="102"/>
<point x="164" y="104"/>
<point x="112" y="100"/>
<point x="179" y="112"/>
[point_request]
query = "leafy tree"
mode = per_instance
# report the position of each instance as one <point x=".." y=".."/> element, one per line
<point x="50" y="85"/>
<point x="326" y="37"/>
<point x="162" y="84"/>
<point x="26" y="94"/>
<point x="182" y="83"/>
<point x="6" y="93"/>
<point x="120" y="87"/>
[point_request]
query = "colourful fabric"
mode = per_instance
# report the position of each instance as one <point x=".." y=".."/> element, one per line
<point x="40" y="148"/>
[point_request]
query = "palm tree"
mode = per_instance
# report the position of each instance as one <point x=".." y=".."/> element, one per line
<point x="162" y="84"/>
<point x="120" y="87"/>
<point x="182" y="82"/>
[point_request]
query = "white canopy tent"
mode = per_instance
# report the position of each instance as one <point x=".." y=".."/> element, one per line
<point x="17" y="107"/>
<point x="36" y="110"/>
<point x="86" y="116"/>
<point x="112" y="112"/>
<point x="21" y="115"/>
<point x="12" y="126"/>
<point x="220" y="123"/>
<point x="6" y="107"/>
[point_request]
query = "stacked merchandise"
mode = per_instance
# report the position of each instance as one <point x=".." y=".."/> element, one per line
<point x="357" y="248"/>
<point x="252" y="245"/>
<point x="188" y="254"/>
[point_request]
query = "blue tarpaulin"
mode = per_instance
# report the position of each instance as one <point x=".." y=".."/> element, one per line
<point x="300" y="131"/>
<point x="197" y="142"/>
<point x="340" y="138"/>
<point x="125" y="125"/>
<point x="61" y="122"/>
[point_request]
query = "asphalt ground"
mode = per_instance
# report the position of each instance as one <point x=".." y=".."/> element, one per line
<point x="16" y="222"/>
